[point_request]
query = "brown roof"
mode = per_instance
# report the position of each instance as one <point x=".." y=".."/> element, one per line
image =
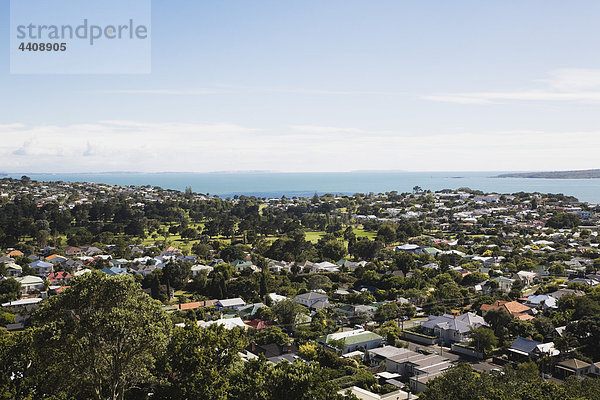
<point x="189" y="306"/>
<point x="574" y="364"/>
<point x="513" y="307"/>
<point x="196" y="304"/>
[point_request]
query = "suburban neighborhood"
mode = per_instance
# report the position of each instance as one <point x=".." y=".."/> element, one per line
<point x="400" y="288"/>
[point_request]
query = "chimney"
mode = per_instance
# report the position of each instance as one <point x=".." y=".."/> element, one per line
<point x="289" y="347"/>
<point x="253" y="346"/>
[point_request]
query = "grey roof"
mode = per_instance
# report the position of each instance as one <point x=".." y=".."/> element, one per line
<point x="524" y="345"/>
<point x="388" y="351"/>
<point x="462" y="323"/>
<point x="311" y="296"/>
<point x="231" y="302"/>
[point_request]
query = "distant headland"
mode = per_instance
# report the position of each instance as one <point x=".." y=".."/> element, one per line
<point x="577" y="174"/>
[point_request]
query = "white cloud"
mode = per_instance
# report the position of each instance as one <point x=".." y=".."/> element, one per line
<point x="574" y="79"/>
<point x="174" y="92"/>
<point x="151" y="147"/>
<point x="566" y="85"/>
<point x="323" y="129"/>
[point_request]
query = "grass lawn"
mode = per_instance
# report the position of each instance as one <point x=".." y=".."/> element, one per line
<point x="314" y="236"/>
<point x="360" y="232"/>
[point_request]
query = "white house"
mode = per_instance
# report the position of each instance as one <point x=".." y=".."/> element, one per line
<point x="30" y="283"/>
<point x="13" y="270"/>
<point x="42" y="267"/>
<point x="228" y="323"/>
<point x="199" y="268"/>
<point x="450" y="328"/>
<point x="313" y="300"/>
<point x="352" y="340"/>
<point x="234" y="304"/>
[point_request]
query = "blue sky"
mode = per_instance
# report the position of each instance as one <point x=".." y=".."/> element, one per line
<point x="324" y="85"/>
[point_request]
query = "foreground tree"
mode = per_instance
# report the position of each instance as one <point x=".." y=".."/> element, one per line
<point x="199" y="362"/>
<point x="99" y="338"/>
<point x="483" y="339"/>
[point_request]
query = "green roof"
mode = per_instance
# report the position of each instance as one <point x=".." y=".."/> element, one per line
<point x="365" y="336"/>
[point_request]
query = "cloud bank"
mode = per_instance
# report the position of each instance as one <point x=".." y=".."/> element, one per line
<point x="152" y="147"/>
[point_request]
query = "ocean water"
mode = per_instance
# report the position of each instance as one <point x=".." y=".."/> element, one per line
<point x="271" y="184"/>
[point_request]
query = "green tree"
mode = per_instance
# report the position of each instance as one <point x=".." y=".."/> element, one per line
<point x="386" y="312"/>
<point x="272" y="334"/>
<point x="10" y="290"/>
<point x="483" y="339"/>
<point x="287" y="311"/>
<point x="199" y="362"/>
<point x="177" y="273"/>
<point x="99" y="338"/>
<point x="459" y="382"/>
<point x="333" y="250"/>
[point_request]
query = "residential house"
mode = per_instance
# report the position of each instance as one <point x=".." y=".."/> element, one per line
<point x="504" y="284"/>
<point x="313" y="300"/>
<point x="240" y="265"/>
<point x="228" y="323"/>
<point x="451" y="328"/>
<point x="142" y="269"/>
<point x="15" y="253"/>
<point x="276" y="298"/>
<point x="73" y="251"/>
<point x="522" y="348"/>
<point x="585" y="281"/>
<point x="278" y="266"/>
<point x="353" y="310"/>
<point x="92" y="251"/>
<point x="30" y="283"/>
<point x="274" y="352"/>
<point x="364" y="394"/>
<point x="6" y="260"/>
<point x="55" y="259"/>
<point x="42" y="268"/>
<point x="250" y="310"/>
<point x="515" y="308"/>
<point x="13" y="270"/>
<point x="561" y="292"/>
<point x="351" y="340"/>
<point x="59" y="277"/>
<point x="325" y="266"/>
<point x="528" y="278"/>
<point x="542" y="300"/>
<point x="25" y="304"/>
<point x="409" y="248"/>
<point x="351" y="265"/>
<point x="199" y="268"/>
<point x="572" y="367"/>
<point x="418" y="368"/>
<point x="113" y="271"/>
<point x="234" y="304"/>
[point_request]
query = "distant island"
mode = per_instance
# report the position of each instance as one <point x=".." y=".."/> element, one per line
<point x="578" y="174"/>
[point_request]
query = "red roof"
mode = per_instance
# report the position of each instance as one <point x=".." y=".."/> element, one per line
<point x="59" y="276"/>
<point x="189" y="306"/>
<point x="513" y="307"/>
<point x="258" y="323"/>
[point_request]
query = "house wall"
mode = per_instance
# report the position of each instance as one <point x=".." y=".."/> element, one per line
<point x="467" y="352"/>
<point x="397" y="367"/>
<point x="372" y="344"/>
<point x="32" y="288"/>
<point x="418" y="339"/>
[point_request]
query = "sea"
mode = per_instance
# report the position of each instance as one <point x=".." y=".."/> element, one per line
<point x="306" y="184"/>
